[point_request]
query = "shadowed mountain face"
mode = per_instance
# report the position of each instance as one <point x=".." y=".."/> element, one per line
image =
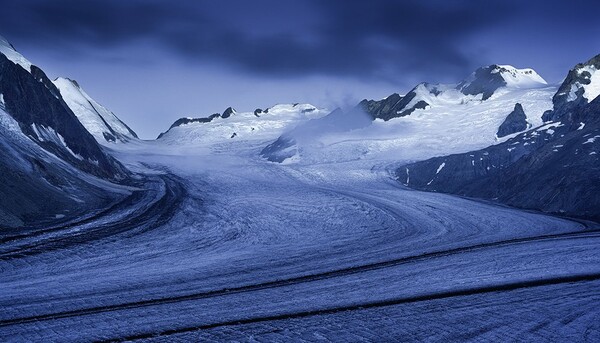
<point x="36" y="104"/>
<point x="554" y="168"/>
<point x="484" y="81"/>
<point x="516" y="121"/>
<point x="50" y="165"/>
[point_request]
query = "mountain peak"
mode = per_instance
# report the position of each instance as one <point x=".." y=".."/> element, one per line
<point x="396" y="105"/>
<point x="67" y="80"/>
<point x="6" y="43"/>
<point x="13" y="55"/>
<point x="519" y="78"/>
<point x="593" y="62"/>
<point x="581" y="86"/>
<point x="228" y="112"/>
<point x="486" y="80"/>
<point x="104" y="125"/>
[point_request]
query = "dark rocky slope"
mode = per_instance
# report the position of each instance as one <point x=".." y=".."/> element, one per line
<point x="36" y="104"/>
<point x="50" y="165"/>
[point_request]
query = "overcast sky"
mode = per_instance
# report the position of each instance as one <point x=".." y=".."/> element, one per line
<point x="152" y="62"/>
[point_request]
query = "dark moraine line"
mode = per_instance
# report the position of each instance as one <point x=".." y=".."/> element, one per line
<point x="154" y="216"/>
<point x="398" y="301"/>
<point x="291" y="281"/>
<point x="134" y="197"/>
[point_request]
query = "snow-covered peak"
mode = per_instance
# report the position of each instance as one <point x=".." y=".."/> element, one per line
<point x="99" y="121"/>
<point x="232" y="126"/>
<point x="519" y="78"/>
<point x="286" y="109"/>
<point x="426" y="91"/>
<point x="12" y="54"/>
<point x="487" y="80"/>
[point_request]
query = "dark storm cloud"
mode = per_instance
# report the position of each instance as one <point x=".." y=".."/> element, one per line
<point x="366" y="38"/>
<point x="211" y="54"/>
<point x="61" y="21"/>
<point x="377" y="38"/>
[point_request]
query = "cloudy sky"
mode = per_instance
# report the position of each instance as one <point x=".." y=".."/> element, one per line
<point x="152" y="62"/>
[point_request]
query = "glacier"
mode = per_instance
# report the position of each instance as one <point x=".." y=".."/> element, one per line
<point x="252" y="250"/>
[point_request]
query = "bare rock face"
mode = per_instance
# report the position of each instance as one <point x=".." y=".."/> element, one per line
<point x="395" y="105"/>
<point x="516" y="121"/>
<point x="228" y="112"/>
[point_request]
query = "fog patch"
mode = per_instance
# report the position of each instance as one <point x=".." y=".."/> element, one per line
<point x="311" y="136"/>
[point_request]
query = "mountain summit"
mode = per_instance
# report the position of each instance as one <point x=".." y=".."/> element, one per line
<point x="486" y="80"/>
<point x="13" y="55"/>
<point x="581" y="86"/>
<point x="99" y="121"/>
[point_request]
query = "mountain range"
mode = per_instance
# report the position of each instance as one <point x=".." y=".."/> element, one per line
<point x="502" y="134"/>
<point x="554" y="167"/>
